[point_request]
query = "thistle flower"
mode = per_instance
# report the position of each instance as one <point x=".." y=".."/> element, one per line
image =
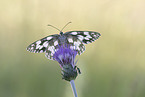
<point x="66" y="58"/>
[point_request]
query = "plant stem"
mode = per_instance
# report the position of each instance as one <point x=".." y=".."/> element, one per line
<point x="73" y="88"/>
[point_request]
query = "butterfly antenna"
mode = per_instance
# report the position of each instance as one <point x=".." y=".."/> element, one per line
<point x="65" y="26"/>
<point x="54" y="27"/>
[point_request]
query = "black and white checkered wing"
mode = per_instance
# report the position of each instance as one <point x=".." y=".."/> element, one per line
<point x="85" y="36"/>
<point x="75" y="39"/>
<point x="46" y="45"/>
<point x="75" y="43"/>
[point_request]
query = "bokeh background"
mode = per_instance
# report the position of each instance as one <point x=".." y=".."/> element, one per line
<point x="112" y="66"/>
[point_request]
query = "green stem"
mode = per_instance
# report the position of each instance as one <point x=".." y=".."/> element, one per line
<point x="73" y="88"/>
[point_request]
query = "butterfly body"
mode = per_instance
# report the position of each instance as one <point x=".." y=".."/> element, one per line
<point x="75" y="39"/>
<point x="62" y="38"/>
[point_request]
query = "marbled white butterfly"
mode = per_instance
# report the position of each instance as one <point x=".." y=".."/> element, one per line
<point x="75" y="39"/>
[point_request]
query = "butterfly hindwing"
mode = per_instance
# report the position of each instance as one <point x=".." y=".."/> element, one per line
<point x="52" y="47"/>
<point x="75" y="43"/>
<point x="85" y="36"/>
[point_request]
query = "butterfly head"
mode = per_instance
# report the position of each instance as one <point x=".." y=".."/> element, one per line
<point x="61" y="33"/>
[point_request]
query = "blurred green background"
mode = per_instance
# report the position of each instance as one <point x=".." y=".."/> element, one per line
<point x="112" y="66"/>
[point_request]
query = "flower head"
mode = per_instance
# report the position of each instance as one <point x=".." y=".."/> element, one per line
<point x="64" y="55"/>
<point x="66" y="58"/>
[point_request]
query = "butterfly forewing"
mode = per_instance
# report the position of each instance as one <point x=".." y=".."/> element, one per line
<point x="85" y="36"/>
<point x="41" y="45"/>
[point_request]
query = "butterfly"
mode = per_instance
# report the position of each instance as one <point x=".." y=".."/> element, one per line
<point x="75" y="39"/>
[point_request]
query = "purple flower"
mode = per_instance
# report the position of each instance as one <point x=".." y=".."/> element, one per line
<point x="64" y="55"/>
<point x="66" y="58"/>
